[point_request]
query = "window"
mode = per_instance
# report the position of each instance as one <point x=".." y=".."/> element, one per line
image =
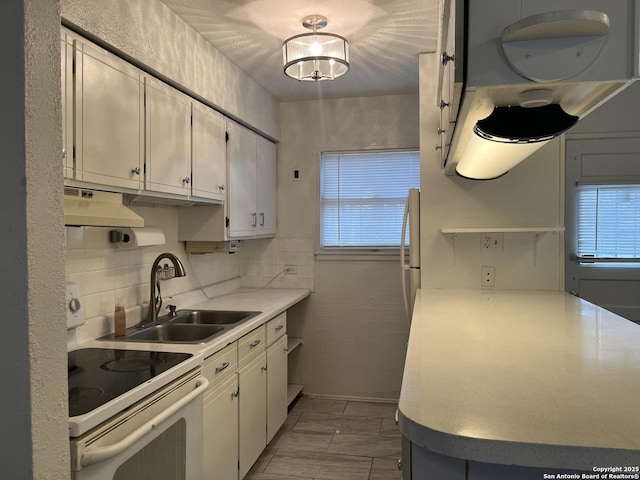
<point x="608" y="221"/>
<point x="362" y="197"/>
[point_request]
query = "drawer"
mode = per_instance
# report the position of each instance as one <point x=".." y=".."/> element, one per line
<point x="221" y="365"/>
<point x="251" y="345"/>
<point x="276" y="327"/>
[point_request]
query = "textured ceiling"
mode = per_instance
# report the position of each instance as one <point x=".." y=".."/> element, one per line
<point x="385" y="38"/>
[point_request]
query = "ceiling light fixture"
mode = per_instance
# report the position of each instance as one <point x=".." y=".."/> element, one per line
<point x="311" y="57"/>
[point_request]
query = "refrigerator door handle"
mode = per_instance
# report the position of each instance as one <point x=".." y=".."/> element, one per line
<point x="403" y="265"/>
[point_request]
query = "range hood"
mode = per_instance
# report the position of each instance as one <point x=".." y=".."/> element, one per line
<point x="524" y="76"/>
<point x="83" y="207"/>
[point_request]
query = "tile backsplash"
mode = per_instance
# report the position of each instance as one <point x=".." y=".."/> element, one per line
<point x="106" y="273"/>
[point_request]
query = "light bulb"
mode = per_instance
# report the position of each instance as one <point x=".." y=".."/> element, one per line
<point x="315" y="48"/>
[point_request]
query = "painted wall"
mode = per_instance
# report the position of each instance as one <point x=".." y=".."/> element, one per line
<point x="353" y="325"/>
<point x="33" y="404"/>
<point x="530" y="195"/>
<point x="152" y="34"/>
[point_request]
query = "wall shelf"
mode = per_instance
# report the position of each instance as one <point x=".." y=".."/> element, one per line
<point x="455" y="230"/>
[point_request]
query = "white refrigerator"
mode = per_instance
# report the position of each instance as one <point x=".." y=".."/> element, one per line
<point x="411" y="265"/>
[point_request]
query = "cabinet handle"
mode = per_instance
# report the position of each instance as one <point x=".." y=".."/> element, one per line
<point x="446" y="58"/>
<point x="255" y="343"/>
<point x="224" y="366"/>
<point x="221" y="188"/>
<point x="262" y="219"/>
<point x="264" y="369"/>
<point x="279" y="327"/>
<point x="64" y="153"/>
<point x="236" y="393"/>
<point x="255" y="219"/>
<point x="135" y="171"/>
<point x="186" y="180"/>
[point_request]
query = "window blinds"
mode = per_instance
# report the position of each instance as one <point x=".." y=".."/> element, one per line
<point x="608" y="221"/>
<point x="362" y="196"/>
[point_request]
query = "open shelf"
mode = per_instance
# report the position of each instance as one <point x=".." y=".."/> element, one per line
<point x="501" y="229"/>
<point x="293" y="390"/>
<point x="293" y="343"/>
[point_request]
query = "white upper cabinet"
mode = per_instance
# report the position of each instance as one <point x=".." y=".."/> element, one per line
<point x="66" y="84"/>
<point x="209" y="161"/>
<point x="241" y="150"/>
<point x="109" y="130"/>
<point x="168" y="139"/>
<point x="266" y="186"/>
<point x="252" y="176"/>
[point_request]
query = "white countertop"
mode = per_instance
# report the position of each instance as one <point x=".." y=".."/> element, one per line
<point x="532" y="378"/>
<point x="270" y="301"/>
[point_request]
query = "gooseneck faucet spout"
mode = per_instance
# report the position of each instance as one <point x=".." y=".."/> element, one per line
<point x="155" y="299"/>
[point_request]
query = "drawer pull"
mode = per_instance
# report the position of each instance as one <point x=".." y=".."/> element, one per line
<point x="279" y="327"/>
<point x="255" y="343"/>
<point x="236" y="393"/>
<point x="224" y="366"/>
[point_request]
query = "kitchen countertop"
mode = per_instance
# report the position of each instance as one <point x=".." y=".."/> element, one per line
<point x="270" y="301"/>
<point x="531" y="378"/>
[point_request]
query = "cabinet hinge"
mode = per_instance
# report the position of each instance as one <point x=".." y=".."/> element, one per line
<point x="226" y="222"/>
<point x="226" y="137"/>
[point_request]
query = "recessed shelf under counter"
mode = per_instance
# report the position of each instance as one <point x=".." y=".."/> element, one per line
<point x="293" y="343"/>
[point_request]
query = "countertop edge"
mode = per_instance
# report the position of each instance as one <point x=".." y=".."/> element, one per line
<point x="513" y="453"/>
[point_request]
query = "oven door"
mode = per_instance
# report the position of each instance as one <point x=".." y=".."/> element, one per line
<point x="160" y="437"/>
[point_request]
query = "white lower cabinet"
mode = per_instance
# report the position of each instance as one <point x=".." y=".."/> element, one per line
<point x="252" y="382"/>
<point x="220" y="431"/>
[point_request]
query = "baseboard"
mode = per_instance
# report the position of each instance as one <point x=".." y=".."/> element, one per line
<point x="350" y="398"/>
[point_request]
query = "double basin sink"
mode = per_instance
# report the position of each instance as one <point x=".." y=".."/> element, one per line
<point x="190" y="326"/>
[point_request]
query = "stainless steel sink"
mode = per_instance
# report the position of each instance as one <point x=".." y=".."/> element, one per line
<point x="212" y="317"/>
<point x="176" y="333"/>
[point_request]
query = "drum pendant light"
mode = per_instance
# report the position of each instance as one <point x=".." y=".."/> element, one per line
<point x="316" y="56"/>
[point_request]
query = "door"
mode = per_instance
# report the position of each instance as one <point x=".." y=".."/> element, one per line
<point x="266" y="186"/>
<point x="253" y="412"/>
<point x="220" y="432"/>
<point x="241" y="149"/>
<point x="209" y="160"/>
<point x="276" y="387"/>
<point x="109" y="119"/>
<point x="602" y="161"/>
<point x="168" y="139"/>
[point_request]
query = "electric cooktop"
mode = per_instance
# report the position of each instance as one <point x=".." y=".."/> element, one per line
<point x="97" y="375"/>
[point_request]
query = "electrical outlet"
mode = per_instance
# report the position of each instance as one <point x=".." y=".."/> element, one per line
<point x="290" y="269"/>
<point x="487" y="276"/>
<point x="492" y="242"/>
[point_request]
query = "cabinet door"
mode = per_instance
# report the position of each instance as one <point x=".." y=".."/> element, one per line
<point x="66" y="83"/>
<point x="266" y="186"/>
<point x="241" y="150"/>
<point x="220" y="432"/>
<point x="209" y="159"/>
<point x="109" y="119"/>
<point x="276" y="387"/>
<point x="253" y="414"/>
<point x="168" y="139"/>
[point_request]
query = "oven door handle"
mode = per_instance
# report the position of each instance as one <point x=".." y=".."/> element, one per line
<point x="100" y="454"/>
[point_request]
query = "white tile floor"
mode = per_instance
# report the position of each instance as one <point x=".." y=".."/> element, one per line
<point x="333" y="440"/>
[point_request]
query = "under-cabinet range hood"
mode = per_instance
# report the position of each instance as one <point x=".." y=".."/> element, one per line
<point x="524" y="75"/>
<point x="84" y="207"/>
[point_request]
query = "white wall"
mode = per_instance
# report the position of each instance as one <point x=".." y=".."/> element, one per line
<point x="33" y="404"/>
<point x="530" y="195"/>
<point x="151" y="33"/>
<point x="354" y="327"/>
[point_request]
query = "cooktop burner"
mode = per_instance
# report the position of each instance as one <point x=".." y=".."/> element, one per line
<point x="97" y="375"/>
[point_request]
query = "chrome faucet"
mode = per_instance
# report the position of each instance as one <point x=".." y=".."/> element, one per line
<point x="155" y="300"/>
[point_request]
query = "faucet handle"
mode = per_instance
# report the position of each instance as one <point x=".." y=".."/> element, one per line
<point x="172" y="310"/>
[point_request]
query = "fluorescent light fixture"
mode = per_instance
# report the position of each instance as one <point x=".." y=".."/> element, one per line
<point x="508" y="136"/>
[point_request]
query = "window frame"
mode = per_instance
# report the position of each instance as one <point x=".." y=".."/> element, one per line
<point x="382" y="252"/>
